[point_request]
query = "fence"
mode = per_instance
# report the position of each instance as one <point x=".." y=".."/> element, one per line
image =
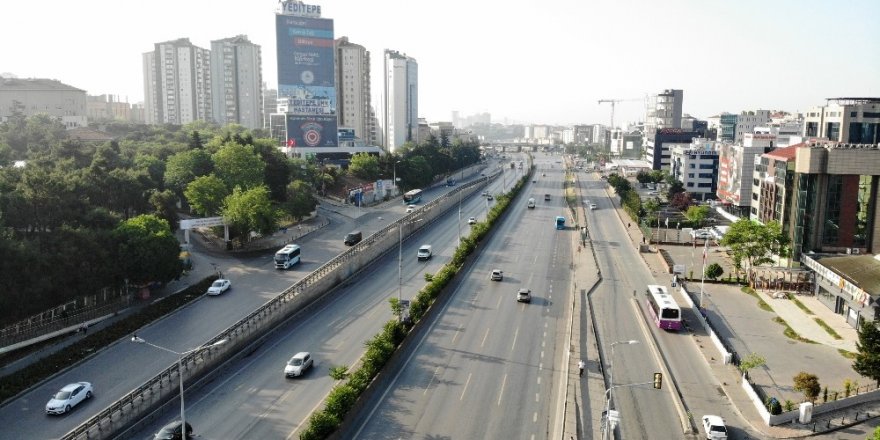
<point x="129" y="410"/>
<point x="74" y="312"/>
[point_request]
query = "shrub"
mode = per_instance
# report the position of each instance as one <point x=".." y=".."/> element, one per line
<point x="340" y="400"/>
<point x="773" y="406"/>
<point x="321" y="425"/>
<point x="808" y="384"/>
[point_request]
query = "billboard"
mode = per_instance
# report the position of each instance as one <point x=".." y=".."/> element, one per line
<point x="311" y="131"/>
<point x="306" y="78"/>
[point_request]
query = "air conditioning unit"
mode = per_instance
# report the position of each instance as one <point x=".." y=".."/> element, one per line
<point x="855" y="251"/>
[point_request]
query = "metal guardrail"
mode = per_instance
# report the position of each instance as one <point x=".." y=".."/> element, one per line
<point x="164" y="385"/>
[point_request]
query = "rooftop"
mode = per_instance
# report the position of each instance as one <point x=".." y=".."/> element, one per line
<point x="34" y="84"/>
<point x="862" y="271"/>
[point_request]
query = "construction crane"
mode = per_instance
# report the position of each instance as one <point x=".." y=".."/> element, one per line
<point x="615" y="101"/>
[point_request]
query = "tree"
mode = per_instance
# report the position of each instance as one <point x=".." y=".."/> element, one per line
<point x="250" y="210"/>
<point x="300" y="199"/>
<point x="658" y="176"/>
<point x="696" y="214"/>
<point x="643" y="177"/>
<point x="239" y="166"/>
<point x="681" y="201"/>
<point x="164" y="203"/>
<point x="147" y="250"/>
<point x="206" y="194"/>
<point x="277" y="174"/>
<point x="867" y="362"/>
<point x="713" y="271"/>
<point x="753" y="242"/>
<point x="674" y="188"/>
<point x="750" y="362"/>
<point x="808" y="384"/>
<point x="365" y="166"/>
<point x="184" y="167"/>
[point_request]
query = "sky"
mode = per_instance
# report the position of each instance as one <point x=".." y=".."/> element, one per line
<point x="546" y="62"/>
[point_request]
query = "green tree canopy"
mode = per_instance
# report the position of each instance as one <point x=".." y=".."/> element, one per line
<point x="808" y="384"/>
<point x="239" y="166"/>
<point x="250" y="210"/>
<point x="713" y="271"/>
<point x="184" y="167"/>
<point x="867" y="362"/>
<point x="300" y="199"/>
<point x="753" y="242"/>
<point x="206" y="194"/>
<point x="365" y="166"/>
<point x="147" y="250"/>
<point x="697" y="214"/>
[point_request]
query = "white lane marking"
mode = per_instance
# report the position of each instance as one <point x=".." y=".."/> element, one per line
<point x="515" y="334"/>
<point x="503" y="383"/>
<point x="457" y="332"/>
<point x="542" y="354"/>
<point x="539" y="380"/>
<point x="484" y="338"/>
<point x="465" y="387"/>
<point x="540" y="366"/>
<point x="535" y="417"/>
<point x="543" y="343"/>
<point x="428" y="386"/>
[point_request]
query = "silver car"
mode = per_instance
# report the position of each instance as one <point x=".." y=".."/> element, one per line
<point x="68" y="397"/>
<point x="298" y="364"/>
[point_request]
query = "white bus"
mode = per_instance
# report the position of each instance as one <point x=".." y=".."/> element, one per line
<point x="287" y="256"/>
<point x="664" y="310"/>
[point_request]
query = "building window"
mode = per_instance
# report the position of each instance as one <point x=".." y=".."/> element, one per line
<point x="832" y="130"/>
<point x="831" y="226"/>
<point x="863" y="218"/>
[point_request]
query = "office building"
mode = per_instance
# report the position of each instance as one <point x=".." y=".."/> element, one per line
<point x="401" y="100"/>
<point x="177" y="83"/>
<point x="31" y="96"/>
<point x="695" y="165"/>
<point x="657" y="151"/>
<point x="849" y="120"/>
<point x="270" y="106"/>
<point x="824" y="194"/>
<point x="663" y="112"/>
<point x="237" y="82"/>
<point x="353" y="89"/>
<point x="736" y="167"/>
<point x="748" y="120"/>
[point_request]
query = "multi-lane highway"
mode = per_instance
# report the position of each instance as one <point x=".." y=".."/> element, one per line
<point x="489" y="366"/>
<point x="124" y="366"/>
<point x="253" y="399"/>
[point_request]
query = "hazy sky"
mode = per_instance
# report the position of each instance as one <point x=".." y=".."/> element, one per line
<point x="539" y="62"/>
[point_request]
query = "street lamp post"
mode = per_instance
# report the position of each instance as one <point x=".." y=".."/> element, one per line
<point x="180" y="356"/>
<point x="400" y="260"/>
<point x="611" y="384"/>
<point x="395" y="174"/>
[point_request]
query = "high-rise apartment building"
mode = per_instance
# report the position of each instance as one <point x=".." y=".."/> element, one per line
<point x="849" y="120"/>
<point x="353" y="89"/>
<point x="270" y="104"/>
<point x="237" y="81"/>
<point x="401" y="99"/>
<point x="747" y="121"/>
<point x="177" y="83"/>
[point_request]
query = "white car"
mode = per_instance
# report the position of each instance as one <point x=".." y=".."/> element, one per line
<point x="472" y="220"/>
<point x="592" y="206"/>
<point x="219" y="286"/>
<point x="410" y="208"/>
<point x="702" y="234"/>
<point x="68" y="397"/>
<point x="714" y="428"/>
<point x="497" y="275"/>
<point x="298" y="364"/>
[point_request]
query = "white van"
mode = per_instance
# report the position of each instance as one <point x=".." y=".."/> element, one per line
<point x="532" y="203"/>
<point x="424" y="252"/>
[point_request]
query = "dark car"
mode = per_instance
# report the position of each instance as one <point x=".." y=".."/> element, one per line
<point x="353" y="238"/>
<point x="171" y="431"/>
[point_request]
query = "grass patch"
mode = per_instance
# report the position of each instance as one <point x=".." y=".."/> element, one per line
<point x="791" y="333"/>
<point x="761" y="303"/>
<point x="827" y="328"/>
<point x="800" y="304"/>
<point x="846" y="354"/>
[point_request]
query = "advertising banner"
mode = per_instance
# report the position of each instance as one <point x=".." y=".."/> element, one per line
<point x="311" y="131"/>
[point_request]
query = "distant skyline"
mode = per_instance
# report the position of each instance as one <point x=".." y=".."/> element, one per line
<point x="542" y="63"/>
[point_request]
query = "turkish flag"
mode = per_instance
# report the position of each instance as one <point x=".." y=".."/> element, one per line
<point x="291" y="142"/>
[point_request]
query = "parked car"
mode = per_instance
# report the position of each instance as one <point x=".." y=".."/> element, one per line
<point x="472" y="220"/>
<point x="219" y="286"/>
<point x="524" y="295"/>
<point x="592" y="206"/>
<point x="714" y="428"/>
<point x="497" y="275"/>
<point x="171" y="431"/>
<point x="298" y="364"/>
<point x="701" y="234"/>
<point x="68" y="397"/>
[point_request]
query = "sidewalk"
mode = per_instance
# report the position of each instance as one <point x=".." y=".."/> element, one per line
<point x="802" y="323"/>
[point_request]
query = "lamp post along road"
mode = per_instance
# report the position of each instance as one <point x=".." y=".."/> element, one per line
<point x="400" y="259"/>
<point x="180" y="356"/>
<point x="607" y="426"/>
